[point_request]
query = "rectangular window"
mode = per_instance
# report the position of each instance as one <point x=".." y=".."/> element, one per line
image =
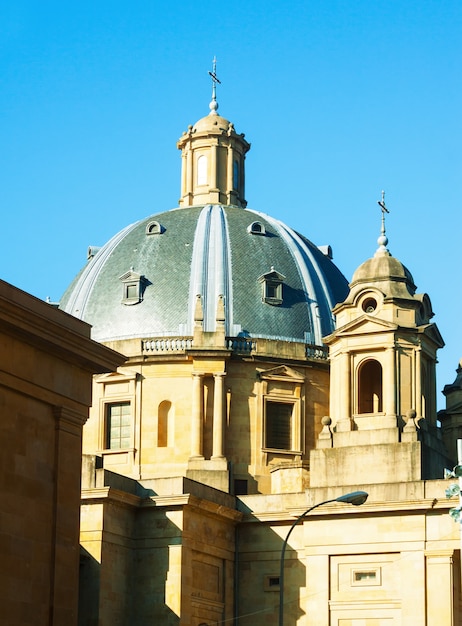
<point x="279" y="425"/>
<point x="240" y="487"/>
<point x="132" y="291"/>
<point x="366" y="577"/>
<point x="118" y="425"/>
<point x="271" y="583"/>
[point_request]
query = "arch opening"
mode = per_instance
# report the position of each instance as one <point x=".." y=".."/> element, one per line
<point x="370" y="395"/>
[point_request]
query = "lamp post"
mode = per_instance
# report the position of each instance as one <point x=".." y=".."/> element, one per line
<point x="356" y="498"/>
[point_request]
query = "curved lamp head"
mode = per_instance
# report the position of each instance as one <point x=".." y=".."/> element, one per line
<point x="356" y="498"/>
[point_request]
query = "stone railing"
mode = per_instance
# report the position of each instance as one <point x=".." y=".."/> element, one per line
<point x="240" y="345"/>
<point x="161" y="345"/>
<point x="316" y="352"/>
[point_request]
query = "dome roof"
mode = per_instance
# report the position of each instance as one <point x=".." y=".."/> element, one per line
<point x="383" y="271"/>
<point x="387" y="273"/>
<point x="145" y="281"/>
<point x="211" y="123"/>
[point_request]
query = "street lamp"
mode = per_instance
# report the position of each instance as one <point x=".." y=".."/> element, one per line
<point x="356" y="498"/>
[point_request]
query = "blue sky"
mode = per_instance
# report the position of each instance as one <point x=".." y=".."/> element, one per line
<point x="339" y="98"/>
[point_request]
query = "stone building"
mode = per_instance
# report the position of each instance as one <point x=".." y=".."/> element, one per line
<point x="228" y="419"/>
<point x="47" y="360"/>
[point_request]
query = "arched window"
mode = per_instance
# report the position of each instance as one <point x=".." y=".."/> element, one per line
<point x="162" y="423"/>
<point x="425" y="389"/>
<point x="256" y="228"/>
<point x="202" y="170"/>
<point x="154" y="228"/>
<point x="235" y="175"/>
<point x="370" y="387"/>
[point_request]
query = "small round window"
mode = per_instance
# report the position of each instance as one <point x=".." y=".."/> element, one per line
<point x="369" y="305"/>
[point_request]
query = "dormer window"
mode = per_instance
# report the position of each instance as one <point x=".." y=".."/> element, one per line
<point x="154" y="228"/>
<point x="256" y="228"/>
<point x="132" y="287"/>
<point x="92" y="251"/>
<point x="272" y="283"/>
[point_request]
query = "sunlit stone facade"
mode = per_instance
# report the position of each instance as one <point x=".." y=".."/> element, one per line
<point x="229" y="419"/>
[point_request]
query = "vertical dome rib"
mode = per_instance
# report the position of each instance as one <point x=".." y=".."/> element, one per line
<point x="86" y="281"/>
<point x="219" y="264"/>
<point x="199" y="263"/>
<point x="210" y="267"/>
<point x="318" y="291"/>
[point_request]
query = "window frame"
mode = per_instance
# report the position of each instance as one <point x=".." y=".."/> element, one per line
<point x="107" y="416"/>
<point x="132" y="280"/>
<point x="369" y="388"/>
<point x="154" y="228"/>
<point x="116" y="388"/>
<point x="201" y="170"/>
<point x="256" y="228"/>
<point x="295" y="424"/>
<point x="273" y="280"/>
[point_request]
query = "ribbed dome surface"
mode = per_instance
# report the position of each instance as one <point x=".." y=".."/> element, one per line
<point x="208" y="251"/>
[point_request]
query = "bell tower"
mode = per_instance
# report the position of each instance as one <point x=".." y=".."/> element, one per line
<point x="213" y="158"/>
<point x="382" y="381"/>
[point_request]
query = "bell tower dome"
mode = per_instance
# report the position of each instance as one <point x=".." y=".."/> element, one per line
<point x="213" y="157"/>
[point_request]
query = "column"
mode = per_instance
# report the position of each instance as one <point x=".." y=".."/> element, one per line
<point x="441" y="589"/>
<point x="184" y="163"/>
<point x="197" y="413"/>
<point x="345" y="413"/>
<point x="317" y="583"/>
<point x="218" y="416"/>
<point x="418" y="382"/>
<point x="213" y="167"/>
<point x="241" y="181"/>
<point x="230" y="174"/>
<point x="389" y="383"/>
<point x="189" y="175"/>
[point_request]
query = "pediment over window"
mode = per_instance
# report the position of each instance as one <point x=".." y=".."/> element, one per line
<point x="433" y="333"/>
<point x="364" y="325"/>
<point x="272" y="275"/>
<point x="130" y="275"/>
<point x="283" y="373"/>
<point x="116" y="377"/>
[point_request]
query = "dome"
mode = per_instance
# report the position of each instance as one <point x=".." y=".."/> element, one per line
<point x="383" y="271"/>
<point x="211" y="123"/>
<point x="387" y="273"/>
<point x="211" y="262"/>
<point x="144" y="282"/>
